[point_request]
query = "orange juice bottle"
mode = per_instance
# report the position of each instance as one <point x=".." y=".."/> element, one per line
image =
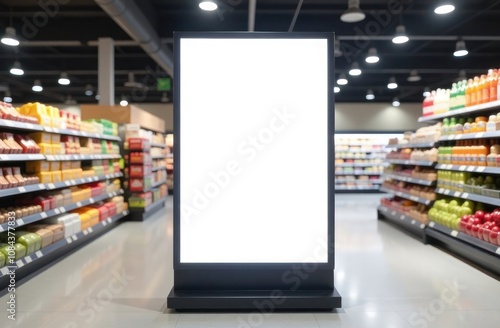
<point x="473" y="93"/>
<point x="482" y="153"/>
<point x="468" y="93"/>
<point x="481" y="123"/>
<point x="473" y="153"/>
<point x="493" y="84"/>
<point x="484" y="86"/>
<point x="479" y="91"/>
<point x="461" y="154"/>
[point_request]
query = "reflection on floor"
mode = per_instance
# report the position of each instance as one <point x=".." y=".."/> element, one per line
<point x="386" y="279"/>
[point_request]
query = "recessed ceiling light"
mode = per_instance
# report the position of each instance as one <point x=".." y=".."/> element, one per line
<point x="207" y="6"/>
<point x="444" y="7"/>
<point x="460" y="49"/>
<point x="392" y="83"/>
<point x="370" y="95"/>
<point x="395" y="102"/>
<point x="64" y="79"/>
<point x="353" y="14"/>
<point x="400" y="36"/>
<point x="342" y="79"/>
<point x="372" y="57"/>
<point x="37" y="86"/>
<point x="414" y="77"/>
<point x="355" y="70"/>
<point x="10" y="38"/>
<point x="16" y="69"/>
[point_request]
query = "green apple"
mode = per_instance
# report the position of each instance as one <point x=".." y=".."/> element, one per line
<point x="465" y="211"/>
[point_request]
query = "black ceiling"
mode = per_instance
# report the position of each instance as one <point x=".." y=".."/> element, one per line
<point x="83" y="20"/>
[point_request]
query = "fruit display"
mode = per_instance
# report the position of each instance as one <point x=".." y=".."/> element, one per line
<point x="448" y="212"/>
<point x="412" y="189"/>
<point x="482" y="225"/>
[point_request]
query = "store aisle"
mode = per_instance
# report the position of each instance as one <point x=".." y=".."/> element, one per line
<point x="386" y="278"/>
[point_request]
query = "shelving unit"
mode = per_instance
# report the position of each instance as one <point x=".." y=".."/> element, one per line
<point x="169" y="140"/>
<point x="405" y="195"/>
<point x="401" y="220"/>
<point x="410" y="162"/>
<point x="359" y="157"/>
<point x="421" y="182"/>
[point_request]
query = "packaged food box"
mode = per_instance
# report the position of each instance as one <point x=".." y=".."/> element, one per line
<point x="19" y="250"/>
<point x="57" y="230"/>
<point x="31" y="241"/>
<point x="38" y="166"/>
<point x="47" y="235"/>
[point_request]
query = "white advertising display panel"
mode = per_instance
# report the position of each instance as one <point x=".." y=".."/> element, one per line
<point x="253" y="150"/>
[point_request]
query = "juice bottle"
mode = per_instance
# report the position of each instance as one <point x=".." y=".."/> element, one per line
<point x="474" y="93"/>
<point x="453" y="96"/>
<point x="492" y="83"/>
<point x="482" y="152"/>
<point x="473" y="153"/>
<point x="459" y="127"/>
<point x="485" y="89"/>
<point x="491" y="159"/>
<point x="468" y="93"/>
<point x="481" y="123"/>
<point x="445" y="128"/>
<point x="461" y="154"/>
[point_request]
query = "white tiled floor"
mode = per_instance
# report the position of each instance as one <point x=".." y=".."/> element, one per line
<point x="386" y="279"/>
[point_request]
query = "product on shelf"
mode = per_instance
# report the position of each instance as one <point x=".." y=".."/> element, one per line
<point x="430" y="155"/>
<point x="19" y="250"/>
<point x="425" y="192"/>
<point x="7" y="112"/>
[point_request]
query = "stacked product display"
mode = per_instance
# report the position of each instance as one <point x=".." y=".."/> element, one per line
<point x="147" y="189"/>
<point x="71" y="172"/>
<point x="358" y="161"/>
<point x="170" y="162"/>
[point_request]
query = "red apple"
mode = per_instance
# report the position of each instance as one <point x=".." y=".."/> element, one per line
<point x="480" y="232"/>
<point x="468" y="228"/>
<point x="487" y="217"/>
<point x="494" y="235"/>
<point x="480" y="215"/>
<point x="477" y="220"/>
<point x="463" y="225"/>
<point x="475" y="229"/>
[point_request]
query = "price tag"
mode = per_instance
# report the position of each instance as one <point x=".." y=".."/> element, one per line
<point x="4" y="157"/>
<point x="57" y="211"/>
<point x="470" y="168"/>
<point x="20" y="222"/>
<point x="29" y="126"/>
<point x="462" y="167"/>
<point x="393" y="213"/>
<point x="431" y="224"/>
<point x="91" y="200"/>
<point x="19" y="263"/>
<point x="104" y="223"/>
<point x="480" y="169"/>
<point x="48" y="129"/>
<point x="69" y="240"/>
<point x="41" y="186"/>
<point x="21" y="189"/>
<point x="43" y="215"/>
<point x="441" y="190"/>
<point x="109" y="220"/>
<point x="84" y="133"/>
<point x="74" y="237"/>
<point x="414" y="198"/>
<point x="449" y="167"/>
<point x="79" y="204"/>
<point x="422" y="226"/>
<point x="73" y="182"/>
<point x="62" y="209"/>
<point x="51" y="186"/>
<point x="67" y="183"/>
<point x="465" y="195"/>
<point x="454" y="233"/>
<point x="85" y="232"/>
<point x="402" y="217"/>
<point x="456" y="194"/>
<point x="28" y="259"/>
<point x="39" y="254"/>
<point x="498" y="250"/>
<point x="479" y="135"/>
<point x="9" y="123"/>
<point x="4" y="271"/>
<point x="91" y="230"/>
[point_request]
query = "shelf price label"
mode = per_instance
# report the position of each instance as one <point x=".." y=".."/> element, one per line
<point x="74" y="237"/>
<point x="19" y="263"/>
<point x="465" y="195"/>
<point x="85" y="232"/>
<point x="480" y="169"/>
<point x="28" y="259"/>
<point x="498" y="250"/>
<point x="454" y="233"/>
<point x="43" y="215"/>
<point x="39" y="254"/>
<point x="479" y="135"/>
<point x="422" y="226"/>
<point x="69" y="240"/>
<point x="4" y="271"/>
<point x="431" y="224"/>
<point x="462" y="167"/>
<point x="402" y="217"/>
<point x="91" y="230"/>
<point x="413" y="222"/>
<point x="109" y="220"/>
<point x="393" y="213"/>
<point x="1" y="228"/>
<point x="19" y="222"/>
<point x="457" y="194"/>
<point x="470" y="169"/>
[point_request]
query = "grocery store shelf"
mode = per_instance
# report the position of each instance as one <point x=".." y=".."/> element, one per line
<point x="22" y="189"/>
<point x="20" y="125"/>
<point x="158" y="145"/>
<point x="157" y="184"/>
<point x="79" y="133"/>
<point x="21" y="157"/>
<point x="360" y="182"/>
<point x="410" y="180"/>
<point x="360" y="158"/>
<point x="158" y="156"/>
<point x="358" y="173"/>
<point x="154" y="169"/>
<point x="63" y="209"/>
<point x="356" y="164"/>
<point x="467" y="168"/>
<point x="407" y="196"/>
<point x="35" y="261"/>
<point x="469" y="136"/>
<point x="407" y="224"/>
<point x="360" y="144"/>
<point x="362" y="151"/>
<point x="410" y="162"/>
<point x="466" y="195"/>
<point x="416" y="145"/>
<point x="76" y="182"/>
<point x="142" y="213"/>
<point x="472" y="249"/>
<point x="81" y="157"/>
<point x="457" y="112"/>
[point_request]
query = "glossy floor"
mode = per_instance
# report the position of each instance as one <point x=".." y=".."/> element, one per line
<point x="386" y="279"/>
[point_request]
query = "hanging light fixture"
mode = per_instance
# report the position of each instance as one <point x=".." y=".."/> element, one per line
<point x="207" y="6"/>
<point x="97" y="97"/>
<point x="444" y="7"/>
<point x="414" y="77"/>
<point x="164" y="97"/>
<point x="400" y="37"/>
<point x="460" y="49"/>
<point x="89" y="91"/>
<point x="342" y="79"/>
<point x="427" y="92"/>
<point x="37" y="86"/>
<point x="64" y="79"/>
<point x="336" y="89"/>
<point x="370" y="95"/>
<point x="392" y="83"/>
<point x="355" y="69"/>
<point x="372" y="57"/>
<point x="353" y="14"/>
<point x="7" y="97"/>
<point x="395" y="102"/>
<point x="338" y="50"/>
<point x="123" y="101"/>
<point x="16" y="69"/>
<point x="10" y="38"/>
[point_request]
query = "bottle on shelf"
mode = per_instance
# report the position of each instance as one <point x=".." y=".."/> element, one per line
<point x="468" y="92"/>
<point x="482" y="152"/>
<point x="484" y="89"/>
<point x="474" y="93"/>
<point x="494" y="152"/>
<point x="493" y="84"/>
<point x="453" y="97"/>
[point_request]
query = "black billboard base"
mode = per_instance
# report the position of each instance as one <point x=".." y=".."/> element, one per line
<point x="264" y="301"/>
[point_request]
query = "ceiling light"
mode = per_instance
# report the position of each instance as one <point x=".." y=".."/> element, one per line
<point x="336" y="89"/>
<point x="7" y="97"/>
<point x="123" y="101"/>
<point x="355" y="70"/>
<point x="400" y="36"/>
<point x="414" y="77"/>
<point x="353" y="14"/>
<point x="89" y="91"/>
<point x="392" y="83"/>
<point x="427" y="92"/>
<point x="64" y="79"/>
<point x="372" y="57"/>
<point x="462" y="75"/>
<point x="208" y="6"/>
<point x="370" y="95"/>
<point x="395" y="102"/>
<point x="338" y="50"/>
<point x="164" y="97"/>
<point x="16" y="69"/>
<point x="10" y="38"/>
<point x="460" y="49"/>
<point x="97" y="97"/>
<point x="444" y="7"/>
<point x="37" y="86"/>
<point x="342" y="79"/>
